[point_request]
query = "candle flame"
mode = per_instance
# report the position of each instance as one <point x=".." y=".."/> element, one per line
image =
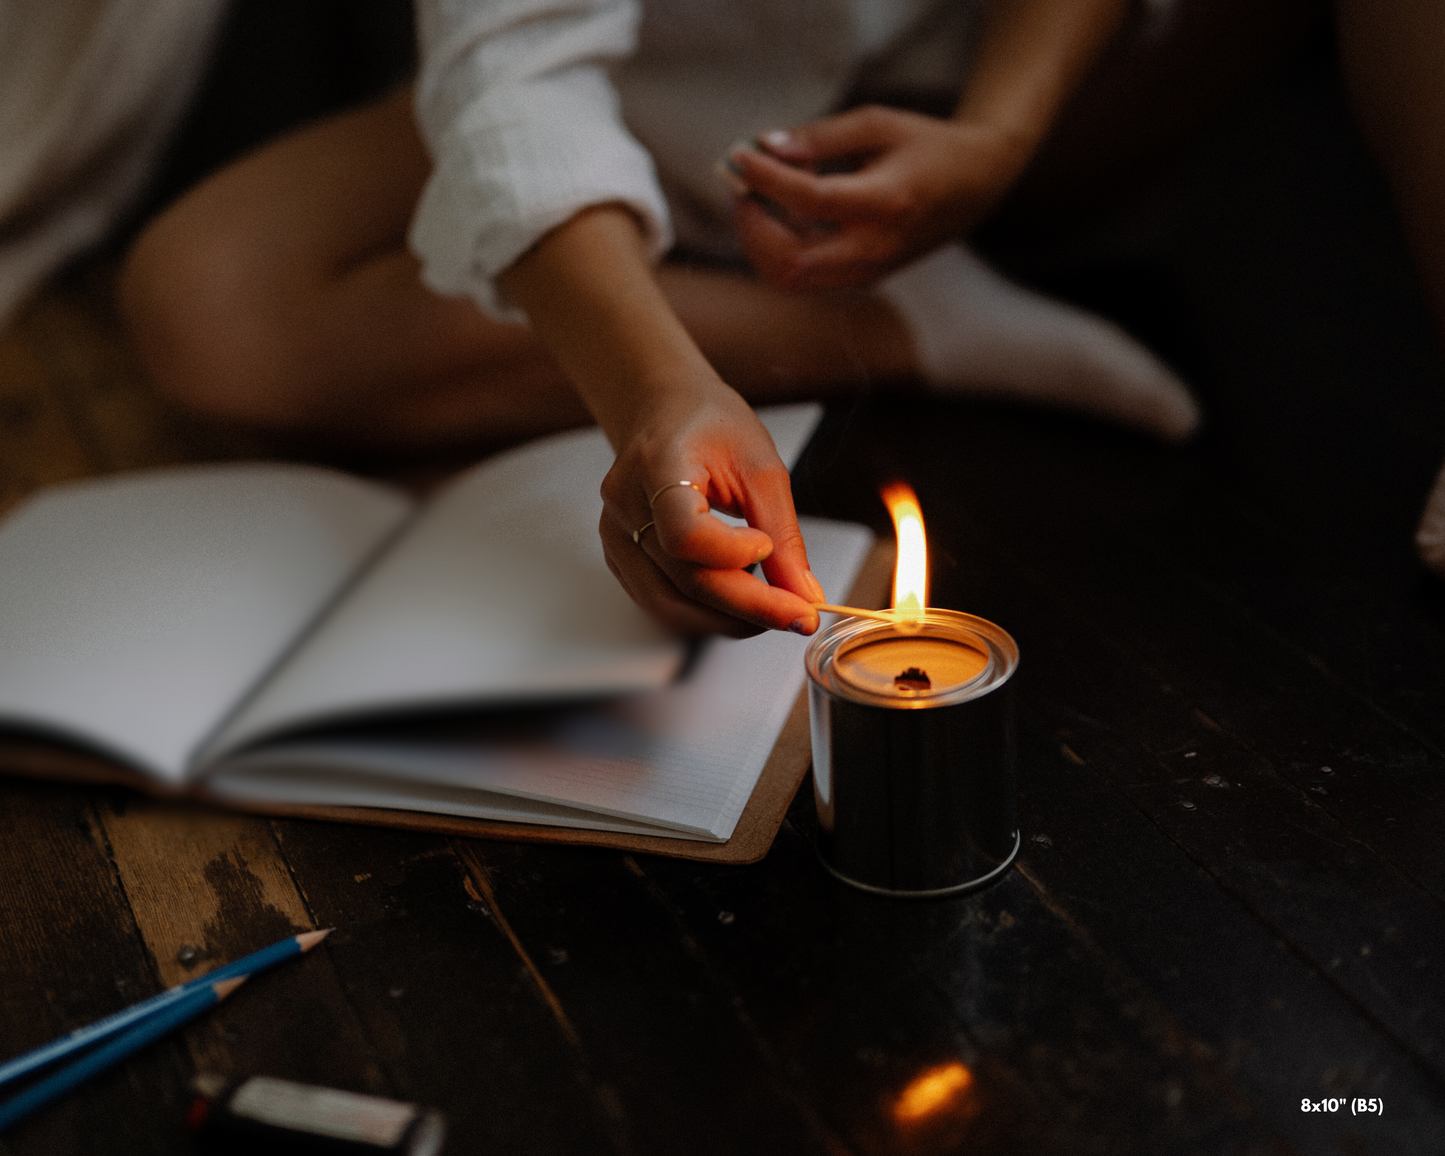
<point x="910" y="572"/>
<point x="932" y="1092"/>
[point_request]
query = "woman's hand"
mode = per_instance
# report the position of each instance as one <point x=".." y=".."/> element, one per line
<point x="909" y="184"/>
<point x="914" y="182"/>
<point x="685" y="566"/>
<point x="590" y="294"/>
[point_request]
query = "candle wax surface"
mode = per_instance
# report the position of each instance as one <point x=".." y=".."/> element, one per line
<point x="874" y="665"/>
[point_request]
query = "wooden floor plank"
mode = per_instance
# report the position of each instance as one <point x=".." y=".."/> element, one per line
<point x="69" y="954"/>
<point x="1139" y="578"/>
<point x="1376" y="933"/>
<point x="649" y="1020"/>
<point x="207" y="888"/>
<point x="860" y="995"/>
<point x="456" y="1018"/>
<point x="1278" y="1024"/>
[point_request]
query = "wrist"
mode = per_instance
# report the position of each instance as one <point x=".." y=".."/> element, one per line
<point x="1033" y="54"/>
<point x="656" y="391"/>
<point x="987" y="158"/>
<point x="589" y="291"/>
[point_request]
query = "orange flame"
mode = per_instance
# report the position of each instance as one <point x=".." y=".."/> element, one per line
<point x="910" y="572"/>
<point x="932" y="1092"/>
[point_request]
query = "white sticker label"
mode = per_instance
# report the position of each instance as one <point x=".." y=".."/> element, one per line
<point x="323" y="1111"/>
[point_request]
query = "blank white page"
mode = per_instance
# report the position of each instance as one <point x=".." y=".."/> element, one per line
<point x="498" y="592"/>
<point x="136" y="611"/>
<point x="679" y="761"/>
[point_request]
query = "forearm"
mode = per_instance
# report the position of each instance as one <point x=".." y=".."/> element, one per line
<point x="587" y="288"/>
<point x="1034" y="53"/>
<point x="685" y="441"/>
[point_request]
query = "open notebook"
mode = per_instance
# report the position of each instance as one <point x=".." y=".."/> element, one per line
<point x="285" y="638"/>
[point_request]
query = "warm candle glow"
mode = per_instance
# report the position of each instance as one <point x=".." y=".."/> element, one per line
<point x="910" y="573"/>
<point x="931" y="1092"/>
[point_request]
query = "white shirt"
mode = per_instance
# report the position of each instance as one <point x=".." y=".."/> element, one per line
<point x="90" y="91"/>
<point x="535" y="109"/>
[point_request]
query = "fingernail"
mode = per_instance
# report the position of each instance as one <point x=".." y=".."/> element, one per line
<point x="729" y="173"/>
<point x="817" y="587"/>
<point x="798" y="626"/>
<point x="737" y="148"/>
<point x="763" y="552"/>
<point x="777" y="138"/>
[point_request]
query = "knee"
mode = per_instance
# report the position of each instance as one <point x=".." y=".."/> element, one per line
<point x="215" y="319"/>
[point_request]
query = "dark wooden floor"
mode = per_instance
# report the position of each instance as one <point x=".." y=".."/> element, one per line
<point x="1231" y="896"/>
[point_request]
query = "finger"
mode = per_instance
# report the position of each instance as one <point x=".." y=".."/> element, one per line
<point x="797" y="190"/>
<point x="845" y="259"/>
<point x="770" y="508"/>
<point x="729" y="589"/>
<point x="687" y="531"/>
<point x="776" y="252"/>
<point x="856" y="131"/>
<point x="874" y="191"/>
<point x="651" y="589"/>
<point x="741" y="594"/>
<point x="681" y="527"/>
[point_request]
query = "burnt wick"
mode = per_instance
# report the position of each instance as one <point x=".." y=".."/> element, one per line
<point x="912" y="679"/>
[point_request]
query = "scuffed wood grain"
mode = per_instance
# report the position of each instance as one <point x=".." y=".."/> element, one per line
<point x="69" y="954"/>
<point x="207" y="888"/>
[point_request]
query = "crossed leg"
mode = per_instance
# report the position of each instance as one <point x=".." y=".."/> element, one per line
<point x="1392" y="56"/>
<point x="280" y="293"/>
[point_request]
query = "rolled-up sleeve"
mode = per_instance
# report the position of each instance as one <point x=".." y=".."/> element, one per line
<point x="524" y="130"/>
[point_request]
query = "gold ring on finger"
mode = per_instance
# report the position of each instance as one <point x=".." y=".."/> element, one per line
<point x="637" y="533"/>
<point x="652" y="501"/>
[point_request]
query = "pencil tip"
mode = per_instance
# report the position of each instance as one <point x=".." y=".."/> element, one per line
<point x="309" y="939"/>
<point x="225" y="987"/>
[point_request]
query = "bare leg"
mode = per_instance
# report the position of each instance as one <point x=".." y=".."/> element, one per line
<point x="280" y="293"/>
<point x="1393" y="54"/>
<point x="1172" y="72"/>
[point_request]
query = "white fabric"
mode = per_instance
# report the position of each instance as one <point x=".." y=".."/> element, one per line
<point x="976" y="332"/>
<point x="535" y="109"/>
<point x="90" y="91"/>
<point x="1430" y="536"/>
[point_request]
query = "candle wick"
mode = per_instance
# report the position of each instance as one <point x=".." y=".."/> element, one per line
<point x="913" y="679"/>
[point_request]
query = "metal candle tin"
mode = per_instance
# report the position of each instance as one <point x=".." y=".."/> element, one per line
<point x="913" y="767"/>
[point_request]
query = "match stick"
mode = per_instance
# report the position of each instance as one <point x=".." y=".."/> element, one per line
<point x="857" y="611"/>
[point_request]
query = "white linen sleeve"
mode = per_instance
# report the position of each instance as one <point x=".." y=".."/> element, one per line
<point x="525" y="130"/>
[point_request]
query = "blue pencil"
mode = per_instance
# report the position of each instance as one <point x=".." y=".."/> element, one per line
<point x="189" y="1005"/>
<point x="104" y="1028"/>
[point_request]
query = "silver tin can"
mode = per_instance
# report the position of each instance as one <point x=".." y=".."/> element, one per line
<point x="913" y="752"/>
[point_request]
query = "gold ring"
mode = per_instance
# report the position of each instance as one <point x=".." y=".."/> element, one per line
<point x="652" y="501"/>
<point x="637" y="533"/>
